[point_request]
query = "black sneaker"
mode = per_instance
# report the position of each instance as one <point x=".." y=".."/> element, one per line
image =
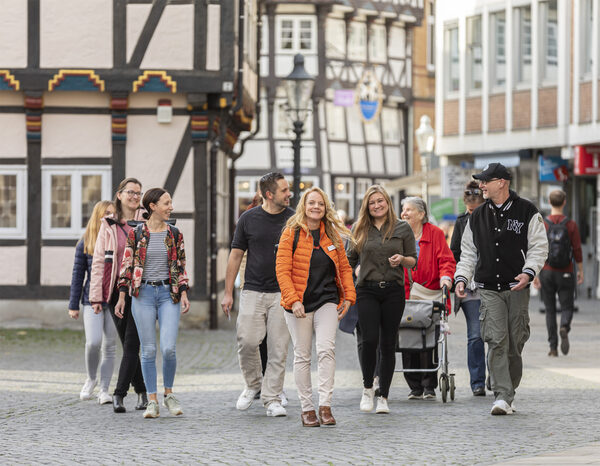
<point x="415" y="395"/>
<point x="564" y="340"/>
<point x="479" y="391"/>
<point x="429" y="394"/>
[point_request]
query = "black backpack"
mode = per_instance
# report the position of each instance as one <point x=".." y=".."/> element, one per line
<point x="560" y="250"/>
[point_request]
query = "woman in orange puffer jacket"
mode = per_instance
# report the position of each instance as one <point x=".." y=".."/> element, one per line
<point x="317" y="289"/>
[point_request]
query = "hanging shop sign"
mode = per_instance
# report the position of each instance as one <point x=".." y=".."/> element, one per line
<point x="344" y="97"/>
<point x="587" y="160"/>
<point x="553" y="169"/>
<point x="369" y="96"/>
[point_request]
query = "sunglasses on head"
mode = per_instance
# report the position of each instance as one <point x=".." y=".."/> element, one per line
<point x="473" y="192"/>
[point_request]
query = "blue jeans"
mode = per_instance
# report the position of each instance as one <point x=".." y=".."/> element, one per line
<point x="475" y="347"/>
<point x="154" y="302"/>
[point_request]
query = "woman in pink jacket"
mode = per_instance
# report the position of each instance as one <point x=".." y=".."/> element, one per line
<point x="108" y="255"/>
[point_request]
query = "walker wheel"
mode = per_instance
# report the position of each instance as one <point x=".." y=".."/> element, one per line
<point x="452" y="387"/>
<point x="444" y="387"/>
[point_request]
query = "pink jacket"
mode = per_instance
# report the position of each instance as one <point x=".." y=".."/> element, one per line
<point x="105" y="270"/>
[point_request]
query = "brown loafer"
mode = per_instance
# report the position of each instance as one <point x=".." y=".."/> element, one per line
<point x="309" y="419"/>
<point x="325" y="415"/>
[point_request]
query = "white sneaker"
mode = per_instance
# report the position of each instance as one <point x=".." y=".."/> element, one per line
<point x="275" y="409"/>
<point x="513" y="407"/>
<point x="382" y="406"/>
<point x="88" y="390"/>
<point x="501" y="407"/>
<point x="366" y="402"/>
<point x="284" y="399"/>
<point x="245" y="400"/>
<point x="104" y="398"/>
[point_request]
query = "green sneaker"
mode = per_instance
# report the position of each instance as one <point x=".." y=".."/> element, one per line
<point x="151" y="410"/>
<point x="172" y="404"/>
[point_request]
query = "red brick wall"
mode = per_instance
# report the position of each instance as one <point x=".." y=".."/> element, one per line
<point x="521" y="112"/>
<point x="547" y="103"/>
<point x="585" y="102"/>
<point x="497" y="113"/>
<point x="450" y="117"/>
<point x="473" y="115"/>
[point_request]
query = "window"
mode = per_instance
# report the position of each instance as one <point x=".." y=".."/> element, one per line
<point x="522" y="40"/>
<point x="453" y="74"/>
<point x="390" y="125"/>
<point x="498" y="52"/>
<point x="69" y="196"/>
<point x="336" y="122"/>
<point x="245" y="189"/>
<point x="335" y="38"/>
<point x="587" y="18"/>
<point x="13" y="202"/>
<point x="283" y="128"/>
<point x="431" y="36"/>
<point x="296" y="34"/>
<point x="362" y="185"/>
<point x="343" y="194"/>
<point x="357" y="41"/>
<point x="474" y="55"/>
<point x="372" y="131"/>
<point x="549" y="45"/>
<point x="377" y="44"/>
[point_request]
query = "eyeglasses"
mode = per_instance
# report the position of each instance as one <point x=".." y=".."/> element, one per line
<point x="131" y="193"/>
<point x="473" y="192"/>
<point x="488" y="181"/>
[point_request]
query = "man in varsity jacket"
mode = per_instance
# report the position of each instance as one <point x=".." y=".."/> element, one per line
<point x="504" y="246"/>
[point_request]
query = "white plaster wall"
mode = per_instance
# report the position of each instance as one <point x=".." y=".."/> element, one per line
<point x="75" y="33"/>
<point x="256" y="155"/>
<point x="11" y="98"/>
<point x="13" y="34"/>
<point x="13" y="142"/>
<point x="150" y="99"/>
<point x="16" y="274"/>
<point x="76" y="135"/>
<point x="186" y="226"/>
<point x="76" y="99"/>
<point x="183" y="197"/>
<point x="56" y="265"/>
<point x="147" y="141"/>
<point x="136" y="17"/>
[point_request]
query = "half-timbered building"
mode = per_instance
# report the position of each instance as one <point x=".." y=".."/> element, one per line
<point x="94" y="91"/>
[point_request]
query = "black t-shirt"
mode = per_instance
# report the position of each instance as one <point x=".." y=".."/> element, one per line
<point x="321" y="287"/>
<point x="258" y="232"/>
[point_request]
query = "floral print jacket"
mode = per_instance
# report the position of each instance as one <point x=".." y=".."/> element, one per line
<point x="134" y="257"/>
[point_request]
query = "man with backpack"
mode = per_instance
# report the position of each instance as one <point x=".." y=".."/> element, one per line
<point x="557" y="276"/>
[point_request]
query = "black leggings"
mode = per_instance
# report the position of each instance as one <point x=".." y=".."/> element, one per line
<point x="379" y="314"/>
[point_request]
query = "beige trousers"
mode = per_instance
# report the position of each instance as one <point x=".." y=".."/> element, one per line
<point x="324" y="322"/>
<point x="260" y="314"/>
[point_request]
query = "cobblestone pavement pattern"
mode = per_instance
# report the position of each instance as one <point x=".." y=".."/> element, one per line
<point x="42" y="420"/>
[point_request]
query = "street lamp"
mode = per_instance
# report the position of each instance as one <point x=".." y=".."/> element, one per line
<point x="298" y="86"/>
<point x="425" y="141"/>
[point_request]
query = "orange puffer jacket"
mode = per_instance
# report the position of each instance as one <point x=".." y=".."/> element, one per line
<point x="292" y="272"/>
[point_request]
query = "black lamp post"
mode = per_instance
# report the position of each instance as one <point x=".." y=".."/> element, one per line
<point x="298" y="86"/>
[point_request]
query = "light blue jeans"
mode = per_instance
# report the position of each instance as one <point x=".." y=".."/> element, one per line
<point x="152" y="303"/>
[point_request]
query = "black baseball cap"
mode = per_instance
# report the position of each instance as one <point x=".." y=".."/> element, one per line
<point x="493" y="171"/>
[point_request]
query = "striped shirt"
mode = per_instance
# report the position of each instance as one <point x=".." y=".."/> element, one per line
<point x="156" y="266"/>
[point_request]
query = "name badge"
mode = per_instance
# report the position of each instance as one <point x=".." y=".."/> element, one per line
<point x="331" y="247"/>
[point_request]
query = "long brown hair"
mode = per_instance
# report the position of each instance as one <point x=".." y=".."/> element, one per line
<point x="120" y="189"/>
<point x="364" y="222"/>
<point x="334" y="227"/>
<point x="93" y="226"/>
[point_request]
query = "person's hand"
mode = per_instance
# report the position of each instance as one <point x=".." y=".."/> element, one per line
<point x="119" y="307"/>
<point x="523" y="280"/>
<point x="537" y="284"/>
<point x="395" y="260"/>
<point x="298" y="310"/>
<point x="185" y="302"/>
<point x="97" y="308"/>
<point x="580" y="277"/>
<point x="343" y="309"/>
<point x="446" y="283"/>
<point x="460" y="290"/>
<point x="227" y="303"/>
<point x="74" y="313"/>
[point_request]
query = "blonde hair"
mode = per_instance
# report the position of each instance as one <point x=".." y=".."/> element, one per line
<point x="334" y="227"/>
<point x="93" y="226"/>
<point x="364" y="222"/>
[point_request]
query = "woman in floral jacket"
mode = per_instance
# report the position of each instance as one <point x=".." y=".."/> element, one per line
<point x="153" y="271"/>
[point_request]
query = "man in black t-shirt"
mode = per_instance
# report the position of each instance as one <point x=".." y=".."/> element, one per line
<point x="260" y="312"/>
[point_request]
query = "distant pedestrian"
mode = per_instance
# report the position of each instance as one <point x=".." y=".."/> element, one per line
<point x="108" y="254"/>
<point x="504" y="246"/>
<point x="434" y="271"/>
<point x="557" y="276"/>
<point x="100" y="331"/>
<point x="473" y="198"/>
<point x="316" y="292"/>
<point x="384" y="246"/>
<point x="260" y="312"/>
<point x="153" y="273"/>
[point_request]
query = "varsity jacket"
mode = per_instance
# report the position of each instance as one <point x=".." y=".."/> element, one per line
<point x="500" y="243"/>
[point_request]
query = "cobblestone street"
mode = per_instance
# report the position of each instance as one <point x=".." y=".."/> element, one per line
<point x="43" y="421"/>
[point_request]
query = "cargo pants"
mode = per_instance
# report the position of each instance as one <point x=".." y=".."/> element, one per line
<point x="504" y="320"/>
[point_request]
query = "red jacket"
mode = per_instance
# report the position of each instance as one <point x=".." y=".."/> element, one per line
<point x="575" y="243"/>
<point x="435" y="260"/>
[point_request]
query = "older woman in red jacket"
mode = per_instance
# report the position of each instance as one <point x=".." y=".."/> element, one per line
<point x="434" y="270"/>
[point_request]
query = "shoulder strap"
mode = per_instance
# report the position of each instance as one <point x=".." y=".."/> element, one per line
<point x="296" y="239"/>
<point x="564" y="221"/>
<point x="138" y="233"/>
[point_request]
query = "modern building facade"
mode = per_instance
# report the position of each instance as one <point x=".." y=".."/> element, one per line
<point x="360" y="52"/>
<point x="517" y="82"/>
<point x="93" y="92"/>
